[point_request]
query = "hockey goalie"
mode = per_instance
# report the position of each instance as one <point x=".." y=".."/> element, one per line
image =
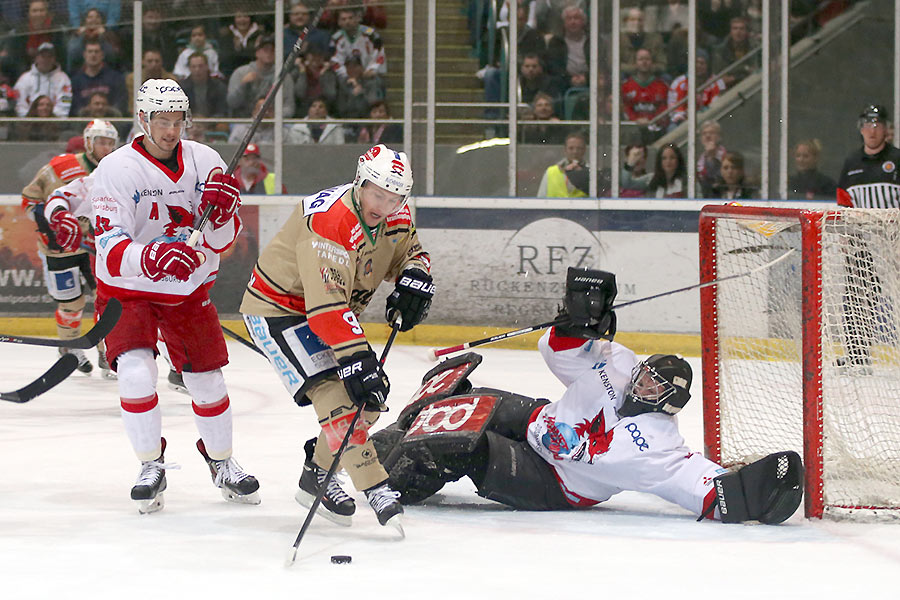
<point x="614" y="429"/>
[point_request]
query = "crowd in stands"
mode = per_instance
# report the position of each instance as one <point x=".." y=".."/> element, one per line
<point x="553" y="49"/>
<point x="72" y="58"/>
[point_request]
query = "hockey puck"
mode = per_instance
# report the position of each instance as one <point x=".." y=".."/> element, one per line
<point x="341" y="559"/>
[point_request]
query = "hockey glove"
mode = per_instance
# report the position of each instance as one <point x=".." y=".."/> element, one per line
<point x="411" y="298"/>
<point x="66" y="229"/>
<point x="222" y="191"/>
<point x="588" y="305"/>
<point x="161" y="259"/>
<point x="365" y="380"/>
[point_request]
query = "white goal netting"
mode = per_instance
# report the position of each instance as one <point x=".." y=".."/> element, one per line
<point x="855" y="428"/>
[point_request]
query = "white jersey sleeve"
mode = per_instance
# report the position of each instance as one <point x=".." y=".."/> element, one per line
<point x="569" y="358"/>
<point x="74" y="197"/>
<point x="136" y="201"/>
<point x="595" y="453"/>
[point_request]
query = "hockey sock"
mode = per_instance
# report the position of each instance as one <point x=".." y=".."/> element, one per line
<point x="140" y="404"/>
<point x="143" y="424"/>
<point x="68" y="323"/>
<point x="212" y="411"/>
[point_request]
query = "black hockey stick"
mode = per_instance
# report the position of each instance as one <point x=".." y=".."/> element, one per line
<point x="292" y="554"/>
<point x="241" y="339"/>
<point x="435" y="353"/>
<point x="100" y="330"/>
<point x="254" y="125"/>
<point x="61" y="369"/>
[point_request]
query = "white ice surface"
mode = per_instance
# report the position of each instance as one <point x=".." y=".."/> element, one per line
<point x="68" y="528"/>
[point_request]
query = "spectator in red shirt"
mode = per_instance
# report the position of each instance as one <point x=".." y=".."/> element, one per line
<point x="679" y="89"/>
<point x="644" y="95"/>
<point x="253" y="175"/>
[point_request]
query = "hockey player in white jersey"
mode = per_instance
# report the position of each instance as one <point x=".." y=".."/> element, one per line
<point x="613" y="429"/>
<point x="147" y="196"/>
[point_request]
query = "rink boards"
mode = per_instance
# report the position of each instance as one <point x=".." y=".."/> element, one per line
<point x="498" y="262"/>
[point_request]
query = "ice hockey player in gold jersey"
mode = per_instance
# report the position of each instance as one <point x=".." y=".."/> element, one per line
<point x="301" y="307"/>
<point x="64" y="237"/>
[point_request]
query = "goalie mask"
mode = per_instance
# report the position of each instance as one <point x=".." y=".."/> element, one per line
<point x="161" y="95"/>
<point x="387" y="169"/>
<point x="98" y="128"/>
<point x="661" y="383"/>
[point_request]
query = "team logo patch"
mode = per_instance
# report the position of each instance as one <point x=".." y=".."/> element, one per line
<point x="888" y="166"/>
<point x="332" y="280"/>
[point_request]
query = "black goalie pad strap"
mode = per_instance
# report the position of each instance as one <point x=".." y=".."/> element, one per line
<point x="446" y="379"/>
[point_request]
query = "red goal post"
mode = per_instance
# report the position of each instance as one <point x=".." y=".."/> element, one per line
<point x="805" y="356"/>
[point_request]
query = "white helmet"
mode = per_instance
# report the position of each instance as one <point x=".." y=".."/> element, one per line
<point x="161" y="95"/>
<point x="386" y="168"/>
<point x="98" y="128"/>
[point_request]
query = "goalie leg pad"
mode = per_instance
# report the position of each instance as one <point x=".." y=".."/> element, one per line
<point x="517" y="476"/>
<point x="419" y="467"/>
<point x="768" y="490"/>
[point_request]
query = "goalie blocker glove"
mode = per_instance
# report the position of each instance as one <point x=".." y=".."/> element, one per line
<point x="365" y="380"/>
<point x="411" y="298"/>
<point x="161" y="259"/>
<point x="66" y="229"/>
<point x="768" y="490"/>
<point x="222" y="192"/>
<point x="588" y="305"/>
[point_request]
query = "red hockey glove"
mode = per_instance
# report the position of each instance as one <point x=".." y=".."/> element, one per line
<point x="66" y="228"/>
<point x="177" y="259"/>
<point x="223" y="193"/>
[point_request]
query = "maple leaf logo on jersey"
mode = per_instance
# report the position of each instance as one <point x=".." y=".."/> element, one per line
<point x="598" y="438"/>
<point x="178" y="217"/>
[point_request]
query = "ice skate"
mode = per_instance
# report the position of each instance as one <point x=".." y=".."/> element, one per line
<point x="176" y="382"/>
<point x="84" y="365"/>
<point x="105" y="371"/>
<point x="336" y="505"/>
<point x="151" y="483"/>
<point x="227" y="475"/>
<point x="384" y="501"/>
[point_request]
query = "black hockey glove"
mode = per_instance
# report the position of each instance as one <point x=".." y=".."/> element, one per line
<point x="411" y="298"/>
<point x="588" y="305"/>
<point x="365" y="380"/>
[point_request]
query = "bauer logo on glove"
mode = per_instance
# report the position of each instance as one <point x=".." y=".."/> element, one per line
<point x="411" y="298"/>
<point x="222" y="195"/>
<point x="587" y="305"/>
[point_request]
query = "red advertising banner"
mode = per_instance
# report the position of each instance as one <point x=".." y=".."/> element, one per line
<point x="21" y="276"/>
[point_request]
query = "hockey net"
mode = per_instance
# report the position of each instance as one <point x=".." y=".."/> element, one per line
<point x="805" y="355"/>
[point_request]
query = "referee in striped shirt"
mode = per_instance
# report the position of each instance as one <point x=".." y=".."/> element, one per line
<point x="869" y="178"/>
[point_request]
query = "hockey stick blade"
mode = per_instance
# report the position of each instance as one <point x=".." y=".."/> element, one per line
<point x="100" y="330"/>
<point x="61" y="369"/>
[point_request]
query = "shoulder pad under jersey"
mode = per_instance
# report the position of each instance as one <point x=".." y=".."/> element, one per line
<point x="67" y="167"/>
<point x="402" y="217"/>
<point x="324" y="200"/>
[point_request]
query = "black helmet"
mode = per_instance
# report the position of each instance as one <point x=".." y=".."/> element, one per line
<point x="661" y="383"/>
<point x="874" y="113"/>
